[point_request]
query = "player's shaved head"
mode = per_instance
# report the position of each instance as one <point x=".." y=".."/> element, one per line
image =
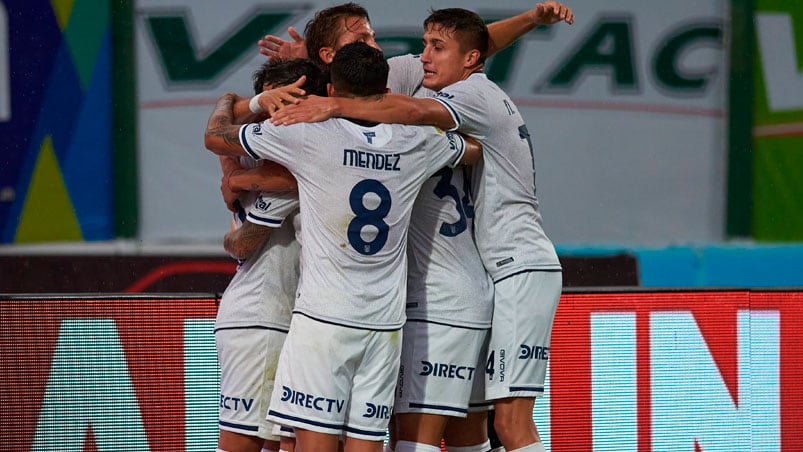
<point x="359" y="70"/>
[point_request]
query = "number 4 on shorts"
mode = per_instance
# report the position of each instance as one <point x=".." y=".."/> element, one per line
<point x="489" y="366"/>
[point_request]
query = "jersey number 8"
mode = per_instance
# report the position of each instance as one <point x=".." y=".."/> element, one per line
<point x="365" y="216"/>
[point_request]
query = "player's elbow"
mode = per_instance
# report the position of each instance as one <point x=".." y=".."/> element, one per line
<point x="212" y="141"/>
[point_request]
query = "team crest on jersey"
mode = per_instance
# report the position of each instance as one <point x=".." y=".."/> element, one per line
<point x="261" y="204"/>
<point x="257" y="129"/>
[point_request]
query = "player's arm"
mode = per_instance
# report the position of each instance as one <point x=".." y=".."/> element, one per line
<point x="473" y="152"/>
<point x="243" y="241"/>
<point x="270" y="177"/>
<point x="222" y="135"/>
<point x="504" y="32"/>
<point x="390" y="108"/>
<point x="228" y="165"/>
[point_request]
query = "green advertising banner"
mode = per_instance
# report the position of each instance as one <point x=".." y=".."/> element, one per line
<point x="777" y="211"/>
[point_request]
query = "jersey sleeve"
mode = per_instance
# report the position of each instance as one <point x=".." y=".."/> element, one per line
<point x="448" y="149"/>
<point x="263" y="140"/>
<point x="271" y="209"/>
<point x="406" y="74"/>
<point x="466" y="104"/>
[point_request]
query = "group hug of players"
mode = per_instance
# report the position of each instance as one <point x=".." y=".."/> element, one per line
<point x="394" y="272"/>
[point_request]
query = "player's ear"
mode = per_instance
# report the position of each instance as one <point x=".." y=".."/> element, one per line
<point x="327" y="54"/>
<point x="472" y="58"/>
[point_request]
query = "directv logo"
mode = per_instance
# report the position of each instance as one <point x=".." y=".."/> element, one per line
<point x="533" y="352"/>
<point x="446" y="371"/>
<point x="311" y="401"/>
<point x="377" y="411"/>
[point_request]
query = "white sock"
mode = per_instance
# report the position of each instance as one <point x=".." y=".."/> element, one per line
<point x="219" y="450"/>
<point x="475" y="448"/>
<point x="410" y="446"/>
<point x="534" y="447"/>
<point x="269" y="450"/>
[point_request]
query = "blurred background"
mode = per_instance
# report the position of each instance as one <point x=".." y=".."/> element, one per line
<point x="668" y="136"/>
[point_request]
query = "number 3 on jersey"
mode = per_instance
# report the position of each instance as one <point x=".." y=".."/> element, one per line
<point x="366" y="216"/>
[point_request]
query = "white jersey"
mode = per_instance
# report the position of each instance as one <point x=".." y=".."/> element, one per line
<point x="262" y="292"/>
<point x="446" y="280"/>
<point x="356" y="185"/>
<point x="507" y="226"/>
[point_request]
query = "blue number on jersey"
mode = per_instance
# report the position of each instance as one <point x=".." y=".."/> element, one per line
<point x="524" y="134"/>
<point x="443" y="189"/>
<point x="367" y="217"/>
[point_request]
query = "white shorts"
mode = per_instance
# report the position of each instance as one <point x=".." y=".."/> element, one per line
<point x="442" y="369"/>
<point x="248" y="359"/>
<point x="336" y="380"/>
<point x="524" y="310"/>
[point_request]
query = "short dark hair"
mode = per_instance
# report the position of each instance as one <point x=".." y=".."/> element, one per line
<point x="360" y="70"/>
<point x="324" y="29"/>
<point x="469" y="28"/>
<point x="279" y="72"/>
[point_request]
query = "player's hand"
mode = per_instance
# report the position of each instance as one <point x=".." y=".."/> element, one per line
<point x="308" y="109"/>
<point x="275" y="47"/>
<point x="551" y="12"/>
<point x="274" y="99"/>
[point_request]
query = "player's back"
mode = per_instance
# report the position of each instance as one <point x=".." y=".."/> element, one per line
<point x="357" y="184"/>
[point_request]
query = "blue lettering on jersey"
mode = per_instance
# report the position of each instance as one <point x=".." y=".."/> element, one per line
<point x="371" y="160"/>
<point x="446" y="371"/>
<point x="533" y="352"/>
<point x="235" y="403"/>
<point x="311" y="401"/>
<point x="444" y="95"/>
<point x="501" y="365"/>
<point x="261" y="204"/>
<point x="377" y="410"/>
<point x="369" y="136"/>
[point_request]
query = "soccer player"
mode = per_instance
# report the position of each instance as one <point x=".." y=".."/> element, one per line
<point x="254" y="313"/>
<point x="514" y="247"/>
<point x="357" y="182"/>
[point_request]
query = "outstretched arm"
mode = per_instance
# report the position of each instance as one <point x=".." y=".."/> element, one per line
<point x="390" y="108"/>
<point x="506" y="31"/>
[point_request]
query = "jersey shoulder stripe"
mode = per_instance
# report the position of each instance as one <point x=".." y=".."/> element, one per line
<point x="244" y="143"/>
<point x="452" y="111"/>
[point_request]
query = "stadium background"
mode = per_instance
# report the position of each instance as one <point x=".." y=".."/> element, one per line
<point x="668" y="139"/>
